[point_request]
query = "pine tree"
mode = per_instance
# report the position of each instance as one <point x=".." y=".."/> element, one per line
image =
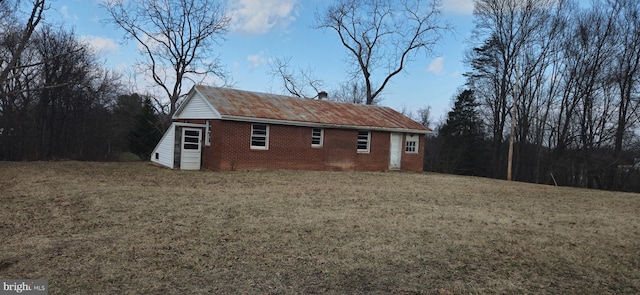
<point x="463" y="137"/>
<point x="146" y="131"/>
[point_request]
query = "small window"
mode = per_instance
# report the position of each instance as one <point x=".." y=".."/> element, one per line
<point x="207" y="140"/>
<point x="411" y="145"/>
<point x="363" y="141"/>
<point x="317" y="135"/>
<point x="260" y="136"/>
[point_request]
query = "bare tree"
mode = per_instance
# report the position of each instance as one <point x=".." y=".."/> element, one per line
<point x="383" y="36"/>
<point x="505" y="31"/>
<point x="626" y="75"/>
<point x="7" y="8"/>
<point x="352" y="92"/>
<point x="423" y="116"/>
<point x="176" y="37"/>
<point x="299" y="83"/>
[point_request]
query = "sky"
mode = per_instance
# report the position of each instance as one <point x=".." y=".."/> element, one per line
<point x="263" y="30"/>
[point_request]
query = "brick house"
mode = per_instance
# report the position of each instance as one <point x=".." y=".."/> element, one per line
<point x="228" y="129"/>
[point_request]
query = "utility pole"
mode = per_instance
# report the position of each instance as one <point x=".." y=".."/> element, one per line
<point x="513" y="125"/>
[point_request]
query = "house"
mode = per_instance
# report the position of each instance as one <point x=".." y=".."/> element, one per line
<point x="227" y="129"/>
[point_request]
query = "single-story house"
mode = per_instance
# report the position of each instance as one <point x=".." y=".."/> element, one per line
<point x="228" y="129"/>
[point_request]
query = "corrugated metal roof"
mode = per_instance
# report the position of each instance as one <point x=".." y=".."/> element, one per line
<point x="239" y="103"/>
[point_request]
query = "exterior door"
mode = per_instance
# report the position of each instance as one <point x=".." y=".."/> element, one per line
<point x="191" y="148"/>
<point x="395" y="151"/>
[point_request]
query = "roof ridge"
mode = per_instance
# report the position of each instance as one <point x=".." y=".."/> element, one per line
<point x="296" y="98"/>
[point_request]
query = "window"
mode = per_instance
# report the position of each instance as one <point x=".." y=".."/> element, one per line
<point x="260" y="136"/>
<point x="191" y="139"/>
<point x="317" y="134"/>
<point x="411" y="145"/>
<point x="207" y="140"/>
<point x="363" y="141"/>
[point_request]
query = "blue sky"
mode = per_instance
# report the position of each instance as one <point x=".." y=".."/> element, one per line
<point x="262" y="30"/>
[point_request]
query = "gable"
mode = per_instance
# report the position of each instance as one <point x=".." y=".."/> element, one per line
<point x="196" y="106"/>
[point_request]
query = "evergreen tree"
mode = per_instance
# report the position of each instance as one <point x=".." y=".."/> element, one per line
<point x="462" y="137"/>
<point x="146" y="131"/>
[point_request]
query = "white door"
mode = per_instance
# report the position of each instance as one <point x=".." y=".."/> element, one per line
<point x="395" y="151"/>
<point x="191" y="148"/>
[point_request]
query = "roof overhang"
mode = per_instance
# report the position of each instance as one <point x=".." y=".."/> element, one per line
<point x="180" y="124"/>
<point x="321" y="125"/>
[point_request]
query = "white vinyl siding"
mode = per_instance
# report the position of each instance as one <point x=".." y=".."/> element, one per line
<point x="163" y="153"/>
<point x="197" y="108"/>
<point x="317" y="137"/>
<point x="260" y="136"/>
<point x="364" y="141"/>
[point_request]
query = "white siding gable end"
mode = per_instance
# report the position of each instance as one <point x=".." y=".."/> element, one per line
<point x="196" y="107"/>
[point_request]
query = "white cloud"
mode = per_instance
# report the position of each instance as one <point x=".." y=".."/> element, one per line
<point x="455" y="74"/>
<point x="122" y="67"/>
<point x="257" y="60"/>
<point x="436" y="66"/>
<point x="64" y="10"/>
<point x="458" y="6"/>
<point x="100" y="44"/>
<point x="260" y="16"/>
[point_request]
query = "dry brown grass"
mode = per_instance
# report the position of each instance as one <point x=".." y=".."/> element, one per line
<point x="133" y="228"/>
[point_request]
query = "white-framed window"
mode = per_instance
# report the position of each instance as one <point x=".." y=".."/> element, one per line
<point x="260" y="136"/>
<point x="207" y="140"/>
<point x="317" y="137"/>
<point x="363" y="141"/>
<point x="411" y="144"/>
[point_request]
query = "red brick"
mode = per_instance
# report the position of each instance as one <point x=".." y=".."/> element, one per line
<point x="290" y="148"/>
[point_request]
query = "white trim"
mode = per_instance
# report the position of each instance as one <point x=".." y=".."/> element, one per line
<point x="321" y="138"/>
<point x="368" y="150"/>
<point x="266" y="138"/>
<point x="207" y="133"/>
<point x="412" y="138"/>
<point x="320" y="125"/>
<point x="190" y="125"/>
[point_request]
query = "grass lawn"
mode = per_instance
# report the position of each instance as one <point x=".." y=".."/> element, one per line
<point x="134" y="228"/>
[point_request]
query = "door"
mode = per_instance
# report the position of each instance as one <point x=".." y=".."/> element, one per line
<point x="395" y="151"/>
<point x="191" y="147"/>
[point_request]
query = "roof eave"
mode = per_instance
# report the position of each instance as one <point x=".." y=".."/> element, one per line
<point x="321" y="125"/>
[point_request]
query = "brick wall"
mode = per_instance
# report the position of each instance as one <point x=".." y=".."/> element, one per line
<point x="290" y="148"/>
<point x="411" y="161"/>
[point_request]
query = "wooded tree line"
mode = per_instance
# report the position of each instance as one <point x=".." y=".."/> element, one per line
<point x="56" y="100"/>
<point x="568" y="76"/>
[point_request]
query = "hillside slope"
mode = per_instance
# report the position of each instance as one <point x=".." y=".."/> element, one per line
<point x="138" y="228"/>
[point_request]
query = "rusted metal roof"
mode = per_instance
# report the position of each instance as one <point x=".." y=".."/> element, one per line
<point x="246" y="104"/>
